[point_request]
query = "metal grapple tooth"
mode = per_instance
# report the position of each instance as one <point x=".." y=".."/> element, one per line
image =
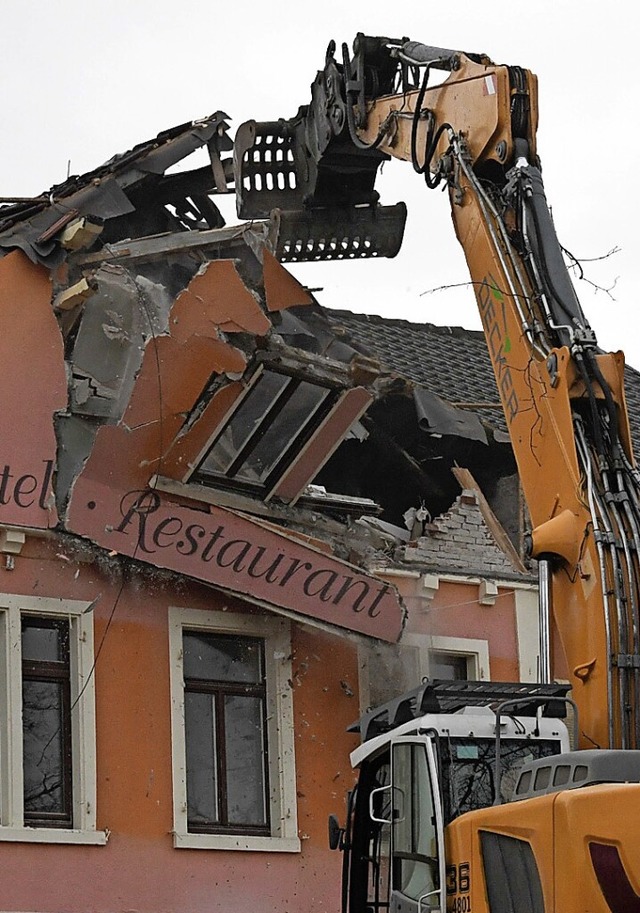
<point x="265" y="169"/>
<point x="340" y="233"/>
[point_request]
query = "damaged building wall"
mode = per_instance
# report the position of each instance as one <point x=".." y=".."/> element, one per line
<point x="472" y="608"/>
<point x="146" y="391"/>
<point x="128" y="859"/>
<point x="459" y="540"/>
<point x="130" y="383"/>
<point x="196" y="458"/>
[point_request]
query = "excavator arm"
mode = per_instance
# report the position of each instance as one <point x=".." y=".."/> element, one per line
<point x="474" y="132"/>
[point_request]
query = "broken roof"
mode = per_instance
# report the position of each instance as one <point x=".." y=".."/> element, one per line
<point x="200" y="401"/>
<point x="449" y="361"/>
<point x="112" y="192"/>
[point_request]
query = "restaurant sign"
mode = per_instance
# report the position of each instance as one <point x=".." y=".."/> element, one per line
<point x="238" y="554"/>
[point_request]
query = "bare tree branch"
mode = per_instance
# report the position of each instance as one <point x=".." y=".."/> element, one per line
<point x="575" y="266"/>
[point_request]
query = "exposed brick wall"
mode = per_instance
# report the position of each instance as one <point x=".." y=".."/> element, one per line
<point x="459" y="540"/>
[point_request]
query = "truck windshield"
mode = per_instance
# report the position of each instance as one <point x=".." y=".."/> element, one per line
<point x="468" y="769"/>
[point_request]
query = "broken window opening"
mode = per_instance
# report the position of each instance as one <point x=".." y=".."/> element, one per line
<point x="266" y="432"/>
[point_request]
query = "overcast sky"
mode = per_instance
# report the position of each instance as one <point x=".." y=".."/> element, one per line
<point x="83" y="81"/>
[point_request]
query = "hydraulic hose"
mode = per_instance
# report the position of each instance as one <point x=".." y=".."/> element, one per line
<point x="563" y="301"/>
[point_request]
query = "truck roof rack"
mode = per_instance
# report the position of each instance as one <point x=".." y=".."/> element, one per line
<point x="441" y="696"/>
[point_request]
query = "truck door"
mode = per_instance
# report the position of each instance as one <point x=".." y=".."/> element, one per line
<point x="368" y="839"/>
<point x="418" y="880"/>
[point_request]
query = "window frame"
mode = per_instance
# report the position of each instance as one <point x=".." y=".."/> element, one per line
<point x="414" y="655"/>
<point x="83" y="731"/>
<point x="275" y="632"/>
<point x="57" y="672"/>
<point x="218" y="690"/>
<point x="232" y="478"/>
<point x="475" y="653"/>
<point x="305" y="454"/>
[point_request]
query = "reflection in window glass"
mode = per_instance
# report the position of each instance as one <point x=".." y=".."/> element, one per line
<point x="468" y="770"/>
<point x="46" y="722"/>
<point x="415" y="843"/>
<point x="202" y="773"/>
<point x="245" y="421"/>
<point x="284" y="427"/>
<point x="268" y="426"/>
<point x="43" y="747"/>
<point x="42" y="644"/>
<point x="244" y="756"/>
<point x="222" y="658"/>
<point x="225" y="733"/>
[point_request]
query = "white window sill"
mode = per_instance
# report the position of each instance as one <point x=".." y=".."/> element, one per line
<point x="236" y="842"/>
<point x="53" y="835"/>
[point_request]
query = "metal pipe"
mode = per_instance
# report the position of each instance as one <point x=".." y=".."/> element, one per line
<point x="628" y="483"/>
<point x="544" y="619"/>
<point x="596" y="515"/>
<point x="502" y="246"/>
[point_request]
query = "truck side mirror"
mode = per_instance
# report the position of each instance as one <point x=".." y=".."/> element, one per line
<point x="336" y="833"/>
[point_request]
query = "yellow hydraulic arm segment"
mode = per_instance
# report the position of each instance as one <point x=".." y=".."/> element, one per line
<point x="563" y="398"/>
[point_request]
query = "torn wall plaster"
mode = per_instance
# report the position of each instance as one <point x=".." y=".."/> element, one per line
<point x="184" y="312"/>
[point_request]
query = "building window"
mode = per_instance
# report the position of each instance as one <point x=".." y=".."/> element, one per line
<point x="46" y="722"/>
<point x="388" y="670"/>
<point x="234" y="775"/>
<point x="278" y="431"/>
<point x="451" y="667"/>
<point x="457" y="659"/>
<point x="225" y="733"/>
<point x="275" y="417"/>
<point x="47" y="716"/>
